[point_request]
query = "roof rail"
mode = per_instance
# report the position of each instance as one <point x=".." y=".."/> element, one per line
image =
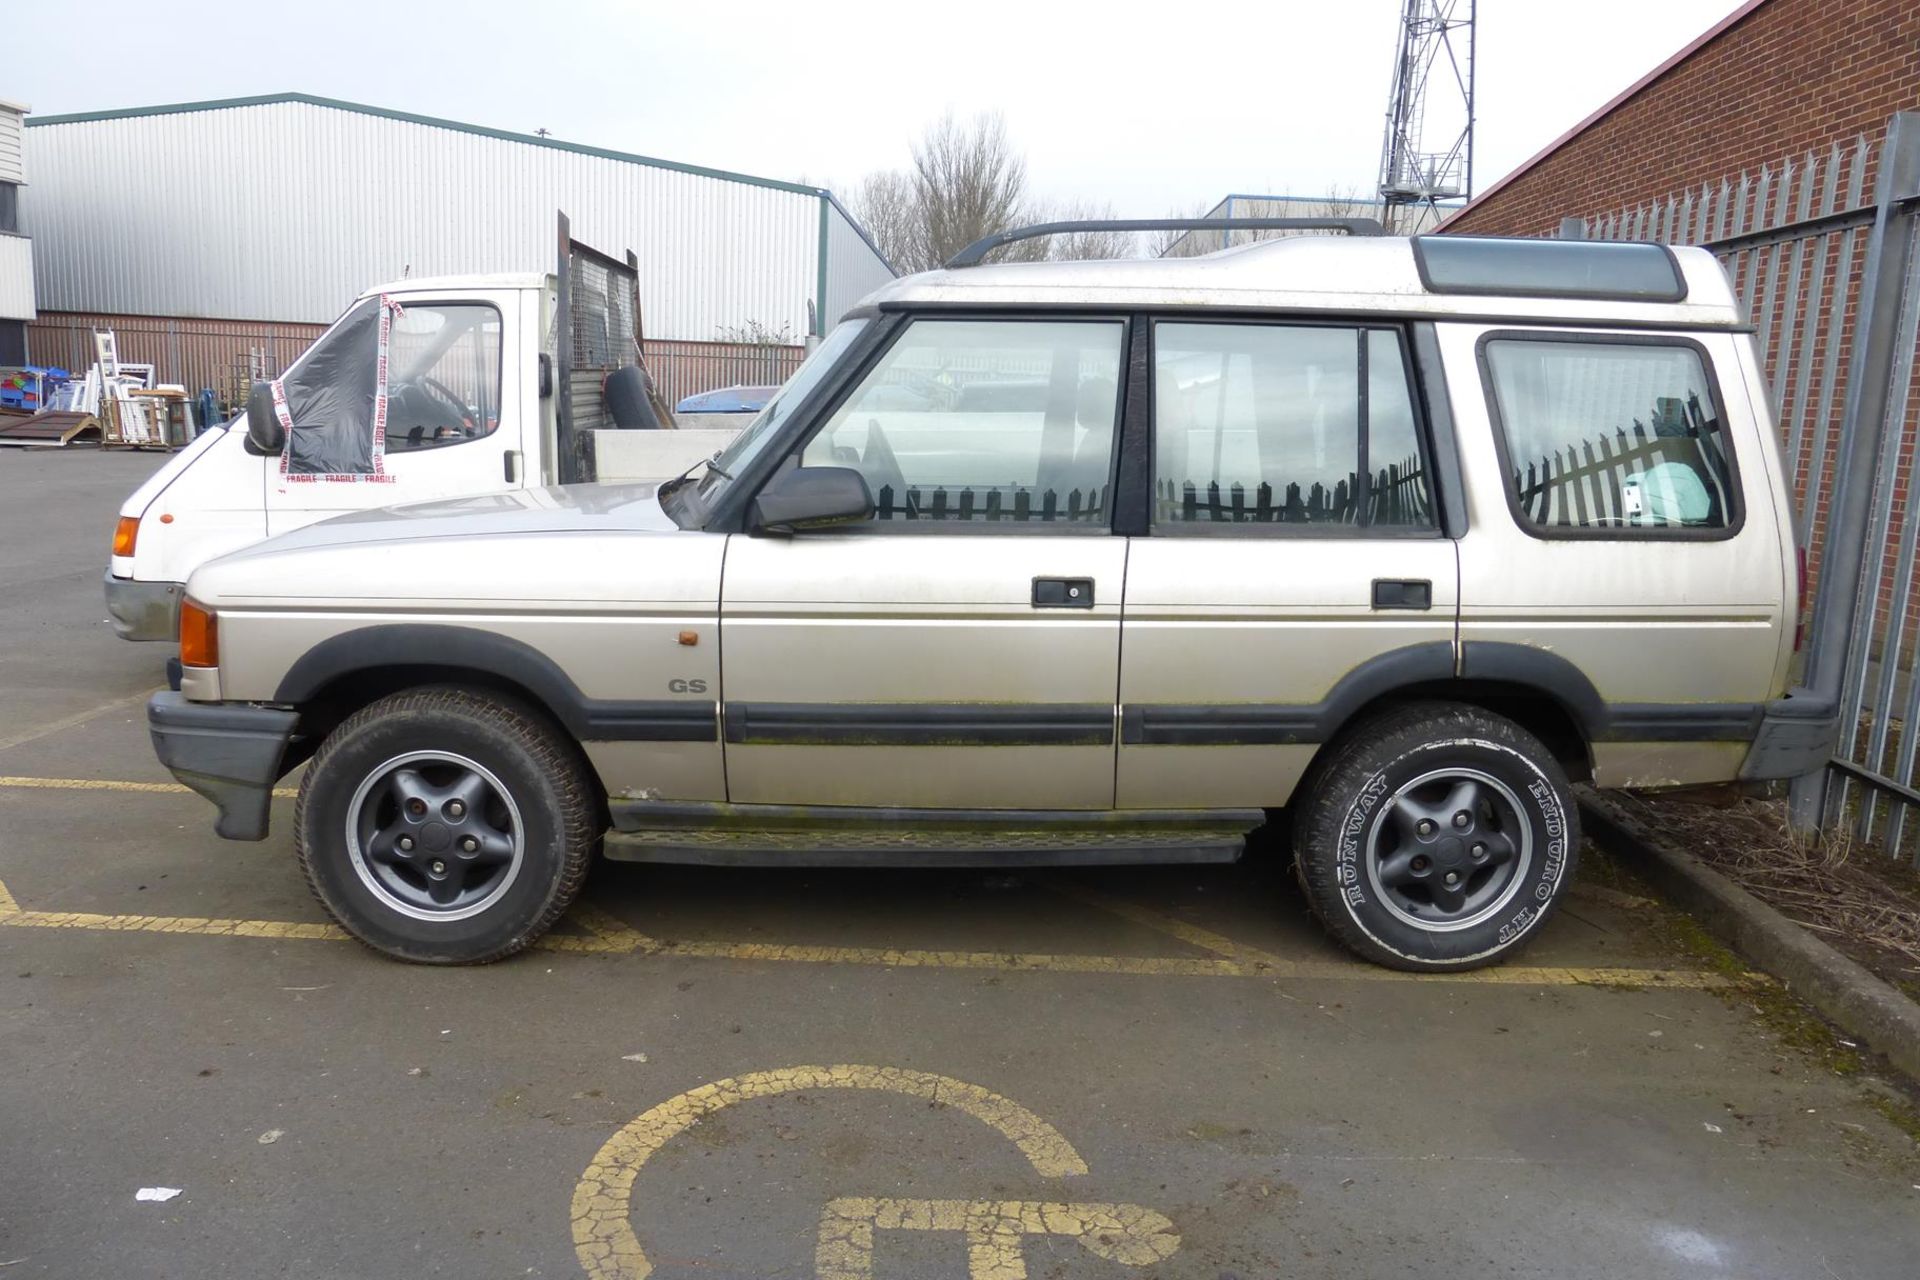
<point x="973" y="253"/>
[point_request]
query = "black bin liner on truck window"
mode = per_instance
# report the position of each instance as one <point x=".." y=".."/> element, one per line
<point x="330" y="399"/>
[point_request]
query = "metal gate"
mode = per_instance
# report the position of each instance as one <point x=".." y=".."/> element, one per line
<point x="1831" y="280"/>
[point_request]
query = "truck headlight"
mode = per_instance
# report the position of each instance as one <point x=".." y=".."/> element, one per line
<point x="125" y="534"/>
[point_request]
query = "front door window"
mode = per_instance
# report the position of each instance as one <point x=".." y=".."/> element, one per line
<point x="986" y="421"/>
<point x="443" y="381"/>
<point x="389" y="378"/>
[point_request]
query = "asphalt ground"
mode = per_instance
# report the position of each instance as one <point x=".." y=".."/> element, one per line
<point x="725" y="1073"/>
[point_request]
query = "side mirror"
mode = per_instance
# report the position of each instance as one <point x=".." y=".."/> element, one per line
<point x="264" y="434"/>
<point x="811" y="498"/>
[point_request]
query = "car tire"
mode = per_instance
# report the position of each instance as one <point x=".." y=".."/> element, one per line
<point x="446" y="825"/>
<point x="1436" y="837"/>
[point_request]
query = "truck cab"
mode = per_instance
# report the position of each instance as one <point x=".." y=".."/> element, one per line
<point x="461" y="410"/>
<point x="423" y="389"/>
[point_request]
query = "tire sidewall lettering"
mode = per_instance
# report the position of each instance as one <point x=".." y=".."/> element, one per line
<point x="1353" y="827"/>
<point x="1546" y="814"/>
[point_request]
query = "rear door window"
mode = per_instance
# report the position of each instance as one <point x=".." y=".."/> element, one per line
<point x="1293" y="428"/>
<point x="1614" y="436"/>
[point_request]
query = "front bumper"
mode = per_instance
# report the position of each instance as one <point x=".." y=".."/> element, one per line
<point x="144" y="610"/>
<point x="1797" y="736"/>
<point x="228" y="752"/>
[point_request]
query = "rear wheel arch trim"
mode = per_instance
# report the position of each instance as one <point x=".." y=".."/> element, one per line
<point x="1506" y="670"/>
<point x="1538" y="669"/>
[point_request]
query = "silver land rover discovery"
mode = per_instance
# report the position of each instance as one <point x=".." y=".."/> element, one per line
<point x="1065" y="563"/>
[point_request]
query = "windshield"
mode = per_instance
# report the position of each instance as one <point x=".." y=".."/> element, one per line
<point x="750" y="442"/>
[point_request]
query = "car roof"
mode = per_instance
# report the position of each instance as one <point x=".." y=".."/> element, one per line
<point x="1303" y="273"/>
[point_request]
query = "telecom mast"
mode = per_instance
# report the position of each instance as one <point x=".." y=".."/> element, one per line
<point x="1432" y="99"/>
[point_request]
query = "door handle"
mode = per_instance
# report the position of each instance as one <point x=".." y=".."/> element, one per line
<point x="510" y="463"/>
<point x="1063" y="593"/>
<point x="1402" y="593"/>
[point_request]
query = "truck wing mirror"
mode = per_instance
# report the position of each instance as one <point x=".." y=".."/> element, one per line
<point x="811" y="498"/>
<point x="264" y="433"/>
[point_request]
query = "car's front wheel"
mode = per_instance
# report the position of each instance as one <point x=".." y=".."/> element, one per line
<point x="445" y="825"/>
<point x="1436" y="836"/>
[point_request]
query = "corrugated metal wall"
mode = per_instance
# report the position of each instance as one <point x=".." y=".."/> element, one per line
<point x="285" y="210"/>
<point x="12" y="166"/>
<point x="16" y="278"/>
<point x="854" y="269"/>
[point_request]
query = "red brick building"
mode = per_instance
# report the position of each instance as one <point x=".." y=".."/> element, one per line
<point x="1775" y="78"/>
<point x="1763" y="140"/>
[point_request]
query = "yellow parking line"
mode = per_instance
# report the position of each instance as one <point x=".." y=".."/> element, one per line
<point x="623" y="941"/>
<point x="907" y="958"/>
<point x="1254" y="961"/>
<point x="202" y="925"/>
<point x="111" y="784"/>
<point x="72" y="721"/>
<point x="607" y="935"/>
<point x="1205" y="939"/>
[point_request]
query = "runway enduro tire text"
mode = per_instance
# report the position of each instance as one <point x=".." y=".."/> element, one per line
<point x="1436" y="836"/>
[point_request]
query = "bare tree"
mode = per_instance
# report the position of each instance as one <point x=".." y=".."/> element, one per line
<point x="886" y="207"/>
<point x="1346" y="202"/>
<point x="755" y="333"/>
<point x="1338" y="202"/>
<point x="1183" y="244"/>
<point x="1085" y="244"/>
<point x="968" y="182"/>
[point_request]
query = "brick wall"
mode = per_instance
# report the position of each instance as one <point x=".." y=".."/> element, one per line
<point x="221" y="353"/>
<point x="1788" y="76"/>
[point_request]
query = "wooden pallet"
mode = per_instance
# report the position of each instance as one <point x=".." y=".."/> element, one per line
<point x="50" y="429"/>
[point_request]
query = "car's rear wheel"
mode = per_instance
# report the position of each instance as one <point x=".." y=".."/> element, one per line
<point x="1436" y="836"/>
<point x="445" y="826"/>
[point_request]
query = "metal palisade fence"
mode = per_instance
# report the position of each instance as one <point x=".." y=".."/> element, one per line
<point x="1830" y="276"/>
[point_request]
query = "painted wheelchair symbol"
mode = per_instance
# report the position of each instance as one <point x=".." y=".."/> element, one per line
<point x="993" y="1231"/>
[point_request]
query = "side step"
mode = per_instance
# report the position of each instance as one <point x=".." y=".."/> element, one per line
<point x="782" y="836"/>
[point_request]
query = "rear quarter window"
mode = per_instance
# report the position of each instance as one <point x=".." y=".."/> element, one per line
<point x="1611" y="436"/>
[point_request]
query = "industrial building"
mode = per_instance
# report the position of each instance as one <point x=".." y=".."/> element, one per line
<point x="16" y="251"/>
<point x="1409" y="219"/>
<point x="196" y="229"/>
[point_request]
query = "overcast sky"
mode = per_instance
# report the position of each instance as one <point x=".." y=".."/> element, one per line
<point x="1146" y="107"/>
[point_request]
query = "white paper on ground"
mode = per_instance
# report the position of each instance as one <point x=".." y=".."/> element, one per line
<point x="162" y="1194"/>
